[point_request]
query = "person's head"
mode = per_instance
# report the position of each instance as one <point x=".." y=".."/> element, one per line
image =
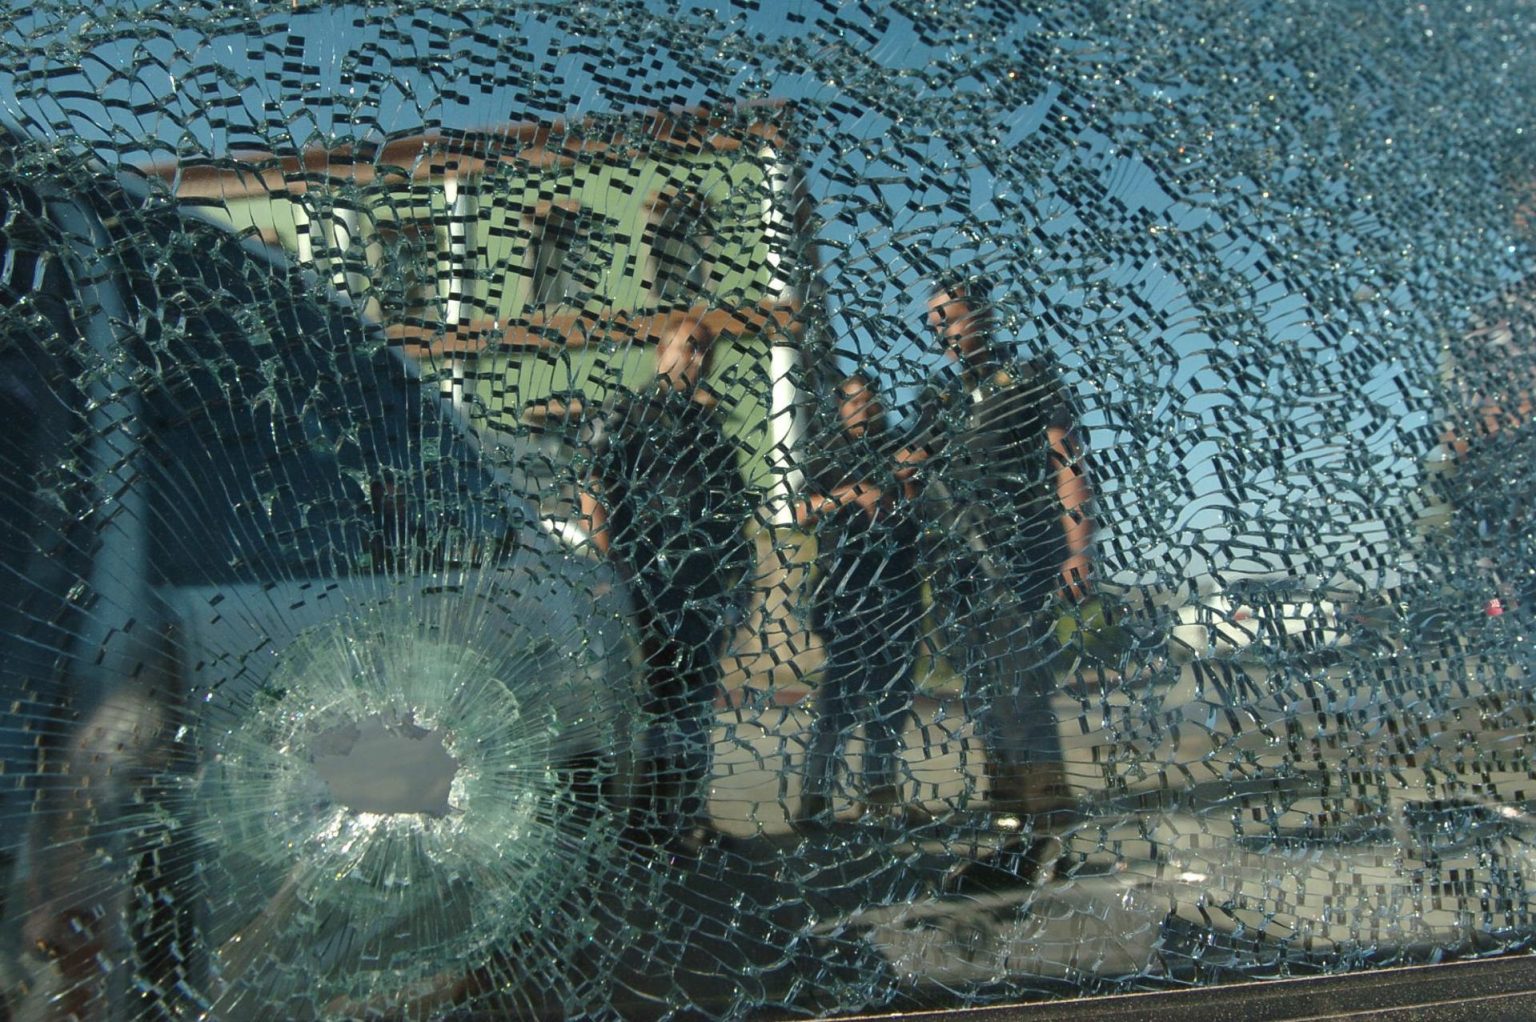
<point x="960" y="316"/>
<point x="858" y="405"/>
<point x="682" y="355"/>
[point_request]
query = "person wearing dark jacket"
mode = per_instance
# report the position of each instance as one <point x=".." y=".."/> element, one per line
<point x="1006" y="482"/>
<point x="867" y="606"/>
<point x="664" y="498"/>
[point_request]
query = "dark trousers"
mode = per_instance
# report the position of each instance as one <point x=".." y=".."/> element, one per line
<point x="998" y="637"/>
<point x="869" y="614"/>
<point x="683" y="616"/>
<point x="867" y="680"/>
<point x="682" y="681"/>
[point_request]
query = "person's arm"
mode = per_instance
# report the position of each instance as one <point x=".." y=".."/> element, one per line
<point x="908" y="461"/>
<point x="1075" y="495"/>
<point x="591" y="496"/>
<point x="866" y="495"/>
<point x="594" y="518"/>
<point x="924" y="443"/>
<point x="809" y="510"/>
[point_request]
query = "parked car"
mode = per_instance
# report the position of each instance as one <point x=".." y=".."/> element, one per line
<point x="281" y="649"/>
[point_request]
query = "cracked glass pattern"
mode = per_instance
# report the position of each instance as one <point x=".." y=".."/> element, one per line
<point x="614" y="509"/>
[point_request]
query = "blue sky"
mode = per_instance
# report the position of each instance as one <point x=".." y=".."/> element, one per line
<point x="962" y="99"/>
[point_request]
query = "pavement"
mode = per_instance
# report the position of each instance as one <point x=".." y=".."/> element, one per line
<point x="1237" y="820"/>
<point x="759" y="743"/>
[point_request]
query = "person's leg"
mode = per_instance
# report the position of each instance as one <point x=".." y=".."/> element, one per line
<point x="886" y="698"/>
<point x="658" y="666"/>
<point x="657" y="771"/>
<point x="1014" y="684"/>
<point x="698" y="675"/>
<point x="830" y="730"/>
<point x="1026" y="764"/>
<point x="679" y="701"/>
<point x="821" y="755"/>
<point x="1009" y="685"/>
<point x="696" y="600"/>
<point x="890" y="631"/>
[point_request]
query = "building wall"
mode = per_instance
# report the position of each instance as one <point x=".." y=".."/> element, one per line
<point x="431" y="253"/>
<point x="449" y="264"/>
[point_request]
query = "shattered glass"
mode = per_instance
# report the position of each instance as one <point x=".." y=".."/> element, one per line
<point x="616" y="509"/>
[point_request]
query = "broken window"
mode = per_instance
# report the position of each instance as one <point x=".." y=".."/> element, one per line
<point x="682" y="235"/>
<point x="570" y="251"/>
<point x="759" y="510"/>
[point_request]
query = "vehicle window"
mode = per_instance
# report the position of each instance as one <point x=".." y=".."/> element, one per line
<point x="279" y="438"/>
<point x="682" y="233"/>
<point x="750" y="510"/>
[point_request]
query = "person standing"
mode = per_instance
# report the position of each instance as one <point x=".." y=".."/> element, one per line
<point x="664" y="497"/>
<point x="998" y="458"/>
<point x="1491" y="374"/>
<point x="867" y="607"/>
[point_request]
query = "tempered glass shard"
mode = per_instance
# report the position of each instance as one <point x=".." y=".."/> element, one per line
<point x="755" y="510"/>
<point x="332" y="885"/>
